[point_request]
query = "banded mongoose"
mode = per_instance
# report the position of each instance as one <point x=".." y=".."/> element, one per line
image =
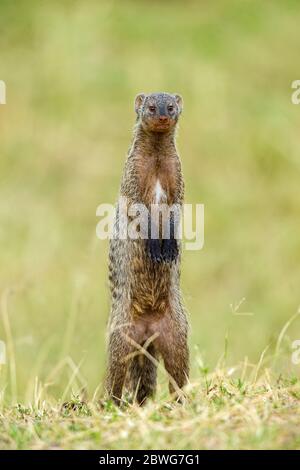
<point x="144" y="274"/>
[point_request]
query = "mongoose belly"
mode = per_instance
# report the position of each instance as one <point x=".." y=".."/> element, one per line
<point x="145" y="285"/>
<point x="149" y="285"/>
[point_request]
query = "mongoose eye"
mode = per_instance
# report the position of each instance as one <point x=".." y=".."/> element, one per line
<point x="152" y="108"/>
<point x="170" y="107"/>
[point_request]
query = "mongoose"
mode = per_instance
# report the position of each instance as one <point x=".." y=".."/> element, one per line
<point x="144" y="274"/>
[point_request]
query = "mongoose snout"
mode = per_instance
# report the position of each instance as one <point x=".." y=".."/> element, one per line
<point x="147" y="320"/>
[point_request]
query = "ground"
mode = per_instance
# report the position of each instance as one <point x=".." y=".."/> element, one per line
<point x="219" y="412"/>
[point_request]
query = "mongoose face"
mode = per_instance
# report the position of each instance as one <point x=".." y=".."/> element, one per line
<point x="158" y="112"/>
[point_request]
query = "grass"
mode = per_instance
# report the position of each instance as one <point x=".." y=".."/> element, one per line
<point x="248" y="406"/>
<point x="72" y="70"/>
<point x="219" y="412"/>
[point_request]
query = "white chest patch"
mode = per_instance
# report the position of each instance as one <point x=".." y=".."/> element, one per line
<point x="159" y="193"/>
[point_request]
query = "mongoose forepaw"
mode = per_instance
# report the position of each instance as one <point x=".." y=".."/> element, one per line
<point x="169" y="250"/>
<point x="154" y="250"/>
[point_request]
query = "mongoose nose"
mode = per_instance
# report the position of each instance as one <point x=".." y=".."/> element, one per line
<point x="163" y="118"/>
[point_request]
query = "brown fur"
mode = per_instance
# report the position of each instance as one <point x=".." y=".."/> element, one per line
<point x="147" y="311"/>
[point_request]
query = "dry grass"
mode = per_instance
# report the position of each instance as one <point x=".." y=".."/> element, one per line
<point x="244" y="407"/>
<point x="220" y="412"/>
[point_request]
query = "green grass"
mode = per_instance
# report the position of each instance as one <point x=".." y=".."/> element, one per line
<point x="219" y="412"/>
<point x="72" y="70"/>
<point x="248" y="406"/>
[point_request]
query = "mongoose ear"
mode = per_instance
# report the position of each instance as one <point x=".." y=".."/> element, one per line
<point x="139" y="100"/>
<point x="179" y="102"/>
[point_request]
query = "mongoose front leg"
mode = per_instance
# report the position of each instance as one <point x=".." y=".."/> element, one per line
<point x="153" y="245"/>
<point x="154" y="249"/>
<point x="169" y="249"/>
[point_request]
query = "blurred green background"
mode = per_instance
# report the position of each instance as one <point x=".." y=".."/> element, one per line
<point x="72" y="70"/>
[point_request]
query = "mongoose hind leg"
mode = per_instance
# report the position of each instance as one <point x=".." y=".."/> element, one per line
<point x="118" y="350"/>
<point x="142" y="376"/>
<point x="175" y="354"/>
<point x="179" y="373"/>
<point x="178" y="368"/>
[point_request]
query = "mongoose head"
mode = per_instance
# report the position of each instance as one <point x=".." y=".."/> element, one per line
<point x="158" y="112"/>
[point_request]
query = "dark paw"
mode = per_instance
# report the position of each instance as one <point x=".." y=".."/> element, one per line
<point x="154" y="250"/>
<point x="169" y="250"/>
